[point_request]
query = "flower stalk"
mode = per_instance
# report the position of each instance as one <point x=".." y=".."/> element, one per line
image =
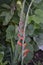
<point x="21" y="31"/>
<point x="25" y="29"/>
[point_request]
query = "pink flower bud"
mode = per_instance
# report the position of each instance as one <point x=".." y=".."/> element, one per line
<point x="19" y="43"/>
<point x="26" y="52"/>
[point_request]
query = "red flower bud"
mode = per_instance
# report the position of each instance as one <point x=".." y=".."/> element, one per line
<point x="19" y="43"/>
<point x="21" y="38"/>
<point x="18" y="35"/>
<point x="26" y="52"/>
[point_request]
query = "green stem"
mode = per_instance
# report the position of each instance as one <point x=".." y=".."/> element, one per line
<point x="25" y="29"/>
<point x="12" y="45"/>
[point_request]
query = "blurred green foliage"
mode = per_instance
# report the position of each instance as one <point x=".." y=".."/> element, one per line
<point x="9" y="20"/>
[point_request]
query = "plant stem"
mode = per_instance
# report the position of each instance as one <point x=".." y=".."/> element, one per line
<point x="21" y="15"/>
<point x="12" y="44"/>
<point x="25" y="29"/>
<point x="21" y="20"/>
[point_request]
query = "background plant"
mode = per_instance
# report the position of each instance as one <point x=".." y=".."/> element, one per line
<point x="9" y="20"/>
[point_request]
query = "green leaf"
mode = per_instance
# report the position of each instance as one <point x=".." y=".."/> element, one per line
<point x="5" y="62"/>
<point x="15" y="20"/>
<point x="17" y="53"/>
<point x="39" y="5"/>
<point x="4" y="13"/>
<point x="10" y="32"/>
<point x="1" y="56"/>
<point x="19" y="49"/>
<point x="27" y="39"/>
<point x="5" y="6"/>
<point x="12" y="45"/>
<point x="1" y="63"/>
<point x="30" y="29"/>
<point x="8" y="17"/>
<point x="29" y="56"/>
<point x="39" y="12"/>
<point x="29" y="19"/>
<point x="39" y="39"/>
<point x="38" y="17"/>
<point x="37" y="1"/>
<point x="35" y="46"/>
